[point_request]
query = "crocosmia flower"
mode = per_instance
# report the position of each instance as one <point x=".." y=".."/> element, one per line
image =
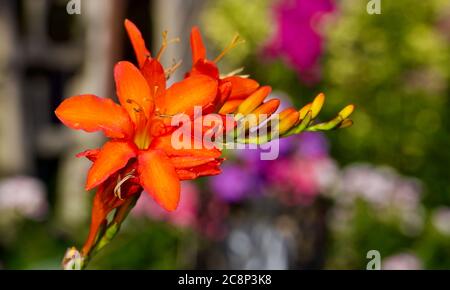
<point x="143" y="151"/>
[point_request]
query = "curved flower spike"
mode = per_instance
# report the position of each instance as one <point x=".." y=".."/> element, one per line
<point x="143" y="151"/>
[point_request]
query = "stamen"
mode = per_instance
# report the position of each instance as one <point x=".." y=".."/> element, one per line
<point x="117" y="188"/>
<point x="173" y="68"/>
<point x="232" y="73"/>
<point x="164" y="115"/>
<point x="234" y="42"/>
<point x="138" y="107"/>
<point x="165" y="44"/>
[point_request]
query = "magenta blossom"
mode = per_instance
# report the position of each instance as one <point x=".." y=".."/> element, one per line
<point x="297" y="38"/>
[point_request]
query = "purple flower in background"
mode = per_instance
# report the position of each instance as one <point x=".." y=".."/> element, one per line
<point x="312" y="145"/>
<point x="234" y="184"/>
<point x="297" y="37"/>
<point x="294" y="175"/>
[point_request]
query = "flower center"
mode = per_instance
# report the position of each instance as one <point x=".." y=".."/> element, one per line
<point x="142" y="138"/>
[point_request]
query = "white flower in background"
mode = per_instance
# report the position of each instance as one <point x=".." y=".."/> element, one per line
<point x="326" y="172"/>
<point x="402" y="261"/>
<point x="374" y="185"/>
<point x="390" y="194"/>
<point x="24" y="196"/>
<point x="440" y="219"/>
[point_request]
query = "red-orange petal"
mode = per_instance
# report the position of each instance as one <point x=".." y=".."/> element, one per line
<point x="205" y="67"/>
<point x="91" y="113"/>
<point x="159" y="178"/>
<point x="197" y="46"/>
<point x="207" y="169"/>
<point x="224" y="92"/>
<point x="183" y="162"/>
<point x="132" y="89"/>
<point x="196" y="90"/>
<point x="90" y="154"/>
<point x="142" y="53"/>
<point x="153" y="72"/>
<point x="113" y="156"/>
<point x="184" y="174"/>
<point x="242" y="87"/>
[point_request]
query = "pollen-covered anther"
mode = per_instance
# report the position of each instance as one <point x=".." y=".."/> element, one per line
<point x="173" y="68"/>
<point x="165" y="44"/>
<point x="138" y="108"/>
<point x="234" y="42"/>
<point x="234" y="73"/>
<point x="121" y="181"/>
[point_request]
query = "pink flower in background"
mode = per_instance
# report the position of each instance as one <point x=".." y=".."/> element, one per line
<point x="23" y="195"/>
<point x="402" y="261"/>
<point x="184" y="216"/>
<point x="297" y="38"/>
<point x="296" y="177"/>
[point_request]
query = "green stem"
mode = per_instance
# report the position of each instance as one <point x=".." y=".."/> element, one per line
<point x="73" y="260"/>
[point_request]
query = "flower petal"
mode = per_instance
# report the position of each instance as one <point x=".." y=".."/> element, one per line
<point x="184" y="162"/>
<point x="242" y="87"/>
<point x="205" y="67"/>
<point x="132" y="89"/>
<point x="196" y="90"/>
<point x="91" y="113"/>
<point x="159" y="178"/>
<point x="90" y="154"/>
<point x="208" y="169"/>
<point x="197" y="46"/>
<point x="142" y="53"/>
<point x="153" y="72"/>
<point x="113" y="156"/>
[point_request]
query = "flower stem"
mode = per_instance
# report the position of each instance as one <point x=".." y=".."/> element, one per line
<point x="75" y="260"/>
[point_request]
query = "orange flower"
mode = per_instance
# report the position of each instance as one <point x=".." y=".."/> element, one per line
<point x="139" y="131"/>
<point x="139" y="154"/>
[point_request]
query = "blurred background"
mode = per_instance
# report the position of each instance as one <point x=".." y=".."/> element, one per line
<point x="382" y="184"/>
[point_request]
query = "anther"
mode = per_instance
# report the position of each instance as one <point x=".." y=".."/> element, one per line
<point x="234" y="42"/>
<point x="173" y="68"/>
<point x="165" y="43"/>
<point x="117" y="188"/>
<point x="138" y="108"/>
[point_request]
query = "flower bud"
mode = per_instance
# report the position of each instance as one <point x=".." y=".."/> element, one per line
<point x="287" y="122"/>
<point x="347" y="111"/>
<point x="229" y="107"/>
<point x="254" y="100"/>
<point x="303" y="111"/>
<point x="317" y="105"/>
